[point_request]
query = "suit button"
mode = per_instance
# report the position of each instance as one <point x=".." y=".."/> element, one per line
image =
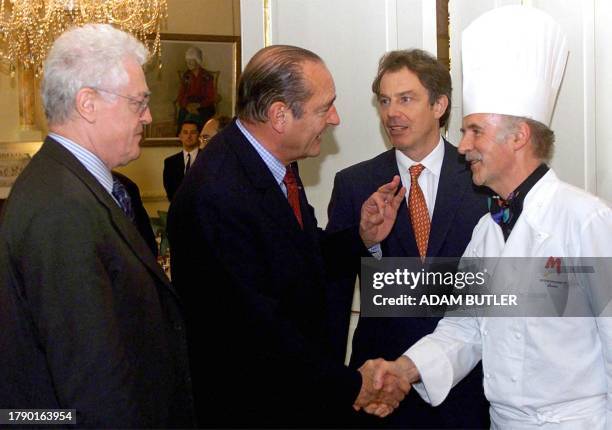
<point x="178" y="327"/>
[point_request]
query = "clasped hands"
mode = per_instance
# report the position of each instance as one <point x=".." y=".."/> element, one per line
<point x="384" y="385"/>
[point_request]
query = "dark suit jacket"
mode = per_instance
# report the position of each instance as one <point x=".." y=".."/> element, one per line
<point x="459" y="205"/>
<point x="141" y="218"/>
<point x="253" y="283"/>
<point x="174" y="171"/>
<point x="89" y="321"/>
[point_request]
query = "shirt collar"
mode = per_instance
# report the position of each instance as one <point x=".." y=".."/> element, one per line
<point x="432" y="162"/>
<point x="89" y="160"/>
<point x="193" y="153"/>
<point x="274" y="165"/>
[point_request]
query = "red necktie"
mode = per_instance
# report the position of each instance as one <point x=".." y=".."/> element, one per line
<point x="418" y="210"/>
<point x="293" y="194"/>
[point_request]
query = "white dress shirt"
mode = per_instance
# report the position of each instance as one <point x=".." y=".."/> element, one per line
<point x="193" y="154"/>
<point x="428" y="181"/>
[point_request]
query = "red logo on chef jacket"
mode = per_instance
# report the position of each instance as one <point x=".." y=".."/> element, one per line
<point x="553" y="262"/>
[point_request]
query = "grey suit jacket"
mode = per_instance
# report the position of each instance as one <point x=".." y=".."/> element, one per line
<point x="89" y="321"/>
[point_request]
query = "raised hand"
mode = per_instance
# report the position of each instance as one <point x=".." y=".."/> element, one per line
<point x="379" y="211"/>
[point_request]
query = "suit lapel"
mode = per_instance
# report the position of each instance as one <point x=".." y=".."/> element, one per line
<point x="126" y="229"/>
<point x="454" y="179"/>
<point x="180" y="167"/>
<point x="401" y="241"/>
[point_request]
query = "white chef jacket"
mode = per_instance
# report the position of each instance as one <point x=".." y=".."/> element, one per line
<point x="544" y="373"/>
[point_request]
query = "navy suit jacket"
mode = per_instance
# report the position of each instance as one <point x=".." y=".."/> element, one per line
<point x="459" y="205"/>
<point x="174" y="171"/>
<point x="253" y="284"/>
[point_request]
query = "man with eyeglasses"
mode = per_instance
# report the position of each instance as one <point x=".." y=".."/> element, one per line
<point x="212" y="127"/>
<point x="89" y="322"/>
<point x="177" y="165"/>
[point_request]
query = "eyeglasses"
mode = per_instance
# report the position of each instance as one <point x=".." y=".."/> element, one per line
<point x="204" y="139"/>
<point x="142" y="104"/>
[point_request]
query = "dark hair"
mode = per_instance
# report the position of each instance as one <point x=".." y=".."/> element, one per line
<point x="274" y="74"/>
<point x="433" y="74"/>
<point x="191" y="121"/>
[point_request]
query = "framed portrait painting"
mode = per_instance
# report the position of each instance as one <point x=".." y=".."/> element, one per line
<point x="194" y="79"/>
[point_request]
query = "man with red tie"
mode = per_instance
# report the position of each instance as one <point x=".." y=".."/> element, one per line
<point x="252" y="266"/>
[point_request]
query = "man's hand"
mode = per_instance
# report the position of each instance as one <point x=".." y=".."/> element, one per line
<point x="380" y="396"/>
<point x="385" y="384"/>
<point x="379" y="211"/>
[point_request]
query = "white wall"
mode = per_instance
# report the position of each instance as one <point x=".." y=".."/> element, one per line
<point x="603" y="94"/>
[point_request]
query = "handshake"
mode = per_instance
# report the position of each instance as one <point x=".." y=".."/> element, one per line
<point x="385" y="384"/>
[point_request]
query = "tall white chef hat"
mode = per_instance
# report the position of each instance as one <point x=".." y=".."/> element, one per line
<point x="513" y="61"/>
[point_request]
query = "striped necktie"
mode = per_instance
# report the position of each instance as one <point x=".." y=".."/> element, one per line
<point x="125" y="202"/>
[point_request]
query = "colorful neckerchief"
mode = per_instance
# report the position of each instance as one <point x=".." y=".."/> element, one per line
<point x="506" y="212"/>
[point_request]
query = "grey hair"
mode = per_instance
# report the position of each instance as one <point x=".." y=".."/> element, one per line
<point x="542" y="137"/>
<point x="194" y="53"/>
<point x="274" y="74"/>
<point x="89" y="56"/>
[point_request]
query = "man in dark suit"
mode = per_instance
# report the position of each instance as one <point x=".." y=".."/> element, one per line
<point x="89" y="321"/>
<point x="413" y="91"/>
<point x="252" y="265"/>
<point x="177" y="165"/>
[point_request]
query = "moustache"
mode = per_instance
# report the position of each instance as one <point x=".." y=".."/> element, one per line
<point x="473" y="157"/>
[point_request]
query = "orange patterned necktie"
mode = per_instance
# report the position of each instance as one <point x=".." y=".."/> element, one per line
<point x="293" y="194"/>
<point x="418" y="210"/>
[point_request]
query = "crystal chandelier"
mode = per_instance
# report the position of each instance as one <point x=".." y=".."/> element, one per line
<point x="29" y="27"/>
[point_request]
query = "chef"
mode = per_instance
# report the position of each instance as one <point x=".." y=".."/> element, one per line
<point x="547" y="372"/>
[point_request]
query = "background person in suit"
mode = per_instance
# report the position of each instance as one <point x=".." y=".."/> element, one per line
<point x="212" y="127"/>
<point x="89" y="321"/>
<point x="177" y="165"/>
<point x="251" y="264"/>
<point x="413" y="91"/>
